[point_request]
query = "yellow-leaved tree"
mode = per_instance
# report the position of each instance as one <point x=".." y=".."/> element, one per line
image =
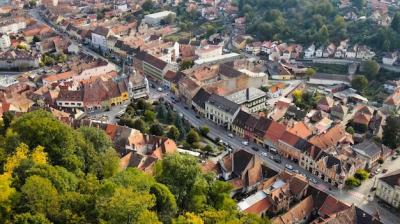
<point x="38" y="155"/>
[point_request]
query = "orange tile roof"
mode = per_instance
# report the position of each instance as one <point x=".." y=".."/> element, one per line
<point x="300" y="129"/>
<point x="259" y="207"/>
<point x="332" y="137"/>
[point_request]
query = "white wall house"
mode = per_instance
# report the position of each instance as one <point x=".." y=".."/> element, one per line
<point x="155" y="18"/>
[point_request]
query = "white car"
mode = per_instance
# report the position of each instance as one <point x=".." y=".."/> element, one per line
<point x="159" y="89"/>
<point x="289" y="167"/>
<point x="264" y="154"/>
<point x="230" y="135"/>
<point x="245" y="143"/>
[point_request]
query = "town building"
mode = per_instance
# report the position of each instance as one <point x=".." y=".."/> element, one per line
<point x="221" y="110"/>
<point x="251" y="98"/>
<point x="156" y="18"/>
<point x="388" y="188"/>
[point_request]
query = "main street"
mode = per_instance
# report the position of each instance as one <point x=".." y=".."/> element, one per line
<point x="359" y="196"/>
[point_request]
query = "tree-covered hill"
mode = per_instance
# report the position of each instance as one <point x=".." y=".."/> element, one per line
<point x="51" y="173"/>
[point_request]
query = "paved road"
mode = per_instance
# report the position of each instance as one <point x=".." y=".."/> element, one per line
<point x="358" y="196"/>
<point x="35" y="13"/>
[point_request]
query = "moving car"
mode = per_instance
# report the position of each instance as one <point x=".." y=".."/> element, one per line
<point x="159" y="89"/>
<point x="255" y="148"/>
<point x="245" y="143"/>
<point x="289" y="167"/>
<point x="230" y="135"/>
<point x="264" y="154"/>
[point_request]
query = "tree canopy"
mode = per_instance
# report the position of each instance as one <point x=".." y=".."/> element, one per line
<point x="55" y="174"/>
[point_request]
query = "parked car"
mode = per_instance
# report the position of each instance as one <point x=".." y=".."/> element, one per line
<point x="230" y="135"/>
<point x="245" y="143"/>
<point x="159" y="89"/>
<point x="384" y="170"/>
<point x="197" y="116"/>
<point x="277" y="160"/>
<point x="289" y="167"/>
<point x="255" y="148"/>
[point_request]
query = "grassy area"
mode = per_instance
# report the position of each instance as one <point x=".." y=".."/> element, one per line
<point x="330" y="68"/>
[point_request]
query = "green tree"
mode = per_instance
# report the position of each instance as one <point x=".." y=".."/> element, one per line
<point x="35" y="39"/>
<point x="156" y="129"/>
<point x="97" y="137"/>
<point x="8" y="117"/>
<point x="359" y="83"/>
<point x="310" y="72"/>
<point x="149" y="116"/>
<point x="396" y="22"/>
<point x="41" y="128"/>
<point x="204" y="130"/>
<point x="179" y="173"/>
<point x="360" y="4"/>
<point x="323" y="35"/>
<point x="361" y="174"/>
<point x="207" y="149"/>
<point x="371" y="68"/>
<point x="121" y="208"/>
<point x="162" y="112"/>
<point x="165" y="202"/>
<point x="391" y="132"/>
<point x="28" y="218"/>
<point x="139" y="124"/>
<point x="173" y="133"/>
<point x="350" y="130"/>
<point x="40" y="196"/>
<point x="186" y="65"/>
<point x="192" y="137"/>
<point x="147" y="5"/>
<point x="353" y="182"/>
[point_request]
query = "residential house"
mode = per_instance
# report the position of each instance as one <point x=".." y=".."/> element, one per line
<point x="388" y="188"/>
<point x="221" y="110"/>
<point x="208" y="51"/>
<point x="352" y="215"/>
<point x="332" y="138"/>
<point x="391" y="85"/>
<point x="242" y="169"/>
<point x="334" y="170"/>
<point x="392" y="102"/>
<point x="325" y="103"/>
<point x="389" y="58"/>
<point x="371" y="152"/>
<point x="199" y="101"/>
<point x="99" y="38"/>
<point x="254" y="47"/>
<point x="361" y="118"/>
<point x="70" y="99"/>
<point x="292" y="146"/>
<point x="300" y="129"/>
<point x="339" y="111"/>
<point x="171" y="80"/>
<point x="364" y="53"/>
<point x="18" y="59"/>
<point x="273" y="134"/>
<point x="187" y="89"/>
<point x="319" y="52"/>
<point x="251" y="98"/>
<point x="5" y="42"/>
<point x="239" y="42"/>
<point x="310" y="51"/>
<point x="257" y="204"/>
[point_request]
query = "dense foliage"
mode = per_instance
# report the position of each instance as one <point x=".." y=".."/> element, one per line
<point x="320" y="22"/>
<point x="51" y="173"/>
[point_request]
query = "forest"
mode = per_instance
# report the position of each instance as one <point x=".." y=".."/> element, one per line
<point x="320" y="22"/>
<point x="52" y="173"/>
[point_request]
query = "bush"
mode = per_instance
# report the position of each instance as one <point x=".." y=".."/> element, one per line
<point x="204" y="130"/>
<point x="361" y="175"/>
<point x="353" y="182"/>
